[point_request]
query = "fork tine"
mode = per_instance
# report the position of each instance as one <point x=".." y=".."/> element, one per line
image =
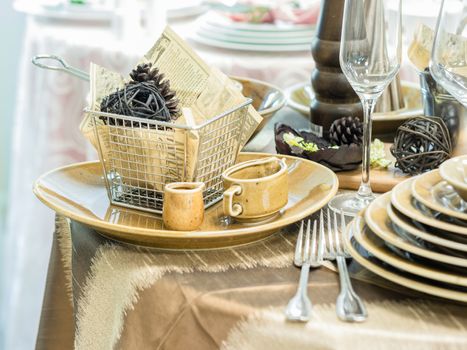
<point x="331" y="241"/>
<point x="298" y="247"/>
<point x="313" y="241"/>
<point x="336" y="229"/>
<point x="321" y="241"/>
<point x="343" y="232"/>
<point x="306" y="253"/>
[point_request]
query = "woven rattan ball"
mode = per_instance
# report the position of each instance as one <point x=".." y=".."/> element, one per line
<point x="421" y="144"/>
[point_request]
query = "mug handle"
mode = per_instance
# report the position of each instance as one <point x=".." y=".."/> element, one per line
<point x="230" y="208"/>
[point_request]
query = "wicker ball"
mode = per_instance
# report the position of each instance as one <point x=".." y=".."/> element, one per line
<point x="421" y="144"/>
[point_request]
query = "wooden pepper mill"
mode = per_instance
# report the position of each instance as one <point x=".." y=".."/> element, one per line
<point x="334" y="97"/>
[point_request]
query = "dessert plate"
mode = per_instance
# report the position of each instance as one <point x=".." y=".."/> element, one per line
<point x="425" y="189"/>
<point x="377" y="220"/>
<point x="403" y="201"/>
<point x="419" y="230"/>
<point x="377" y="247"/>
<point x="77" y="191"/>
<point x="399" y="277"/>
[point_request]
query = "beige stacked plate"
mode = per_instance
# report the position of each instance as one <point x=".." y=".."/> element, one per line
<point x="416" y="236"/>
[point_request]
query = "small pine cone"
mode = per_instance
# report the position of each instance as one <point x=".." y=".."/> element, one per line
<point x="346" y="130"/>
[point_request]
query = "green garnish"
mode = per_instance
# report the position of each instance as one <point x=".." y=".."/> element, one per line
<point x="378" y="155"/>
<point x="297" y="141"/>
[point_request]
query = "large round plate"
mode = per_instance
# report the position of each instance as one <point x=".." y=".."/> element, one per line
<point x="224" y="37"/>
<point x="77" y="192"/>
<point x="403" y="279"/>
<point x="422" y="190"/>
<point x="219" y="31"/>
<point x="267" y="98"/>
<point x="406" y="224"/>
<point x="377" y="219"/>
<point x="250" y="46"/>
<point x="220" y="21"/>
<point x="402" y="199"/>
<point x="299" y="98"/>
<point x="61" y="11"/>
<point x="377" y="247"/>
<point x="306" y="33"/>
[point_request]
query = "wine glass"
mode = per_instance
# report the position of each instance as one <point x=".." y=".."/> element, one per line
<point x="370" y="57"/>
<point x="448" y="63"/>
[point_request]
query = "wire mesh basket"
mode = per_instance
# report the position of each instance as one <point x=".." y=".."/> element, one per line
<point x="139" y="156"/>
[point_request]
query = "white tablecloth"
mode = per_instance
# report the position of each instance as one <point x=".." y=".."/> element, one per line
<point x="46" y="136"/>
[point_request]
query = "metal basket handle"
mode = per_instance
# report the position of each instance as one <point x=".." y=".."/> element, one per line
<point x="61" y="65"/>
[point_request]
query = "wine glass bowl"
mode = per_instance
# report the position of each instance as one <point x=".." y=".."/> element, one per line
<point x="370" y="52"/>
<point x="370" y="57"/>
<point x="448" y="63"/>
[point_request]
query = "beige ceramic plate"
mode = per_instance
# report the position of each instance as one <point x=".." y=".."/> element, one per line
<point x="404" y="223"/>
<point x="376" y="246"/>
<point x="299" y="98"/>
<point x="377" y="219"/>
<point x="422" y="190"/>
<point x="401" y="280"/>
<point x="267" y="98"/>
<point x="451" y="171"/>
<point x="77" y="191"/>
<point x="401" y="198"/>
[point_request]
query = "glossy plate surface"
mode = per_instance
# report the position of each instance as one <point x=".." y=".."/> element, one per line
<point x="267" y="98"/>
<point x="423" y="187"/>
<point x="377" y="219"/>
<point x="77" y="191"/>
<point x="402" y="199"/>
<point x="377" y="247"/>
<point x="427" y="233"/>
<point x="395" y="276"/>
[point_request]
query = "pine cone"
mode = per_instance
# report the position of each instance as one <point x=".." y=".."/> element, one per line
<point x="346" y="130"/>
<point x="144" y="73"/>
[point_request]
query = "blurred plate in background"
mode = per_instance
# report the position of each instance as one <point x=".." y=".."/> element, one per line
<point x="215" y="30"/>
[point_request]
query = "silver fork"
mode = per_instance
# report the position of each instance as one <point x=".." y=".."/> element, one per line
<point x="307" y="254"/>
<point x="349" y="306"/>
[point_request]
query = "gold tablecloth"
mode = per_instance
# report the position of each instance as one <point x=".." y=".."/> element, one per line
<point x="101" y="294"/>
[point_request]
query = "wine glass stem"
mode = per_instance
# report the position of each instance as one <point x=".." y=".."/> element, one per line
<point x="364" y="192"/>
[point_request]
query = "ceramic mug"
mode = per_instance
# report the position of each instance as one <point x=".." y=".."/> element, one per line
<point x="183" y="206"/>
<point x="255" y="189"/>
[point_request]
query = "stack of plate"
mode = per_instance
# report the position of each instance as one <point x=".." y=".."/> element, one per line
<point x="416" y="236"/>
<point x="216" y="30"/>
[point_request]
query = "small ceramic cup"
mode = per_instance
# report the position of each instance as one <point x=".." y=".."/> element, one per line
<point x="183" y="206"/>
<point x="255" y="189"/>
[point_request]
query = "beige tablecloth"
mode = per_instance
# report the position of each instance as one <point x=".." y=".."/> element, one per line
<point x="101" y="294"/>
